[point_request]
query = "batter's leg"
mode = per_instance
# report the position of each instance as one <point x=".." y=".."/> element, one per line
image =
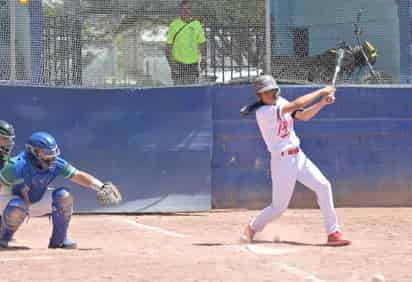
<point x="284" y="173"/>
<point x="310" y="176"/>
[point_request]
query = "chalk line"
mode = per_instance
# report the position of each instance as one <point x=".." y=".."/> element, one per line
<point x="262" y="250"/>
<point x="8" y="259"/>
<point x="155" y="228"/>
<point x="298" y="272"/>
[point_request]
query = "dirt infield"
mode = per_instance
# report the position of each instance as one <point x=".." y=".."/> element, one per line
<point x="203" y="247"/>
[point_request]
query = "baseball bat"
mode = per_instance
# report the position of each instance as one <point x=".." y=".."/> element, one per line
<point x="340" y="54"/>
<point x="248" y="109"/>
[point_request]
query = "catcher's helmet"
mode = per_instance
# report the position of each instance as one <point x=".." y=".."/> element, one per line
<point x="7" y="133"/>
<point x="43" y="147"/>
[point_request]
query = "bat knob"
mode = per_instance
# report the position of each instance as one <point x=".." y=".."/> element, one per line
<point x="244" y="111"/>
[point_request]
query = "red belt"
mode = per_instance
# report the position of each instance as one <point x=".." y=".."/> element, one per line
<point x="293" y="151"/>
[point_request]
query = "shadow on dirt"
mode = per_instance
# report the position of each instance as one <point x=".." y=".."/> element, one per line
<point x="14" y="248"/>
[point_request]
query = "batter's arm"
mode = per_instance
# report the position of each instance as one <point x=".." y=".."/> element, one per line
<point x="86" y="180"/>
<point x="309" y="113"/>
<point x="307" y="99"/>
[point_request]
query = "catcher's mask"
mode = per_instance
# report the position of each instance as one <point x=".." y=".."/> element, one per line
<point x="7" y="136"/>
<point x="43" y="149"/>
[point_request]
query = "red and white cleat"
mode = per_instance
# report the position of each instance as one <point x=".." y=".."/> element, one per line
<point x="247" y="235"/>
<point x="336" y="239"/>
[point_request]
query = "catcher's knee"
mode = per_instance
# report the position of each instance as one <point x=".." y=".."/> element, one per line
<point x="62" y="201"/>
<point x="14" y="214"/>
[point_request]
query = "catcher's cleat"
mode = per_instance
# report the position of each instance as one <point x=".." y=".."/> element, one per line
<point x="67" y="244"/>
<point x="336" y="239"/>
<point x="247" y="235"/>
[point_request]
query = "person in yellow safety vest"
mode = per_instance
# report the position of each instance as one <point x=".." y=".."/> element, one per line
<point x="185" y="37"/>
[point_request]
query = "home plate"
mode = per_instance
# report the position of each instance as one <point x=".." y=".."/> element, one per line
<point x="262" y="250"/>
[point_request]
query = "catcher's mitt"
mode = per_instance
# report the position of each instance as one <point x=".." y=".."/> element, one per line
<point x="108" y="195"/>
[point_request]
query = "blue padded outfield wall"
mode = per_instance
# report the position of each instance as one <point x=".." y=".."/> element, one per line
<point x="156" y="145"/>
<point x="363" y="144"/>
<point x="187" y="149"/>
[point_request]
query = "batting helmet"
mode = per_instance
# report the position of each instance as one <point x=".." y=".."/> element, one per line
<point x="7" y="134"/>
<point x="265" y="83"/>
<point x="43" y="147"/>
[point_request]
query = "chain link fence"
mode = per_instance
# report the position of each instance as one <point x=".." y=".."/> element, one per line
<point x="307" y="35"/>
<point x="158" y="43"/>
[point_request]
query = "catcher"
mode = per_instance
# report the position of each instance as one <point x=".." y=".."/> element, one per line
<point x="24" y="191"/>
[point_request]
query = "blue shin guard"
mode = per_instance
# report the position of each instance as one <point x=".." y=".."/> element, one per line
<point x="13" y="216"/>
<point x="62" y="210"/>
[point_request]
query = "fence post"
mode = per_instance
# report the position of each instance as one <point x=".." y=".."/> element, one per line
<point x="12" y="12"/>
<point x="405" y="41"/>
<point x="37" y="46"/>
<point x="268" y="47"/>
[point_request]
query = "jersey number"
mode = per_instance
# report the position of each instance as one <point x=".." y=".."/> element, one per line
<point x="284" y="128"/>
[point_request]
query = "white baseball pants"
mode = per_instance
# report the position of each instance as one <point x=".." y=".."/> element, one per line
<point x="285" y="171"/>
<point x="43" y="207"/>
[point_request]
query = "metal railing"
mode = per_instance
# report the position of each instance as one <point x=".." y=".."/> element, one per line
<point x="235" y="53"/>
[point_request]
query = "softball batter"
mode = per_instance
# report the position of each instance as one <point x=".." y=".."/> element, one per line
<point x="288" y="162"/>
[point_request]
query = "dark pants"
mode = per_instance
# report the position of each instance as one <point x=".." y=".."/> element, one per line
<point x="184" y="74"/>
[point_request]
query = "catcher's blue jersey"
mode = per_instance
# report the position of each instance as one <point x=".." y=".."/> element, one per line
<point x="20" y="172"/>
